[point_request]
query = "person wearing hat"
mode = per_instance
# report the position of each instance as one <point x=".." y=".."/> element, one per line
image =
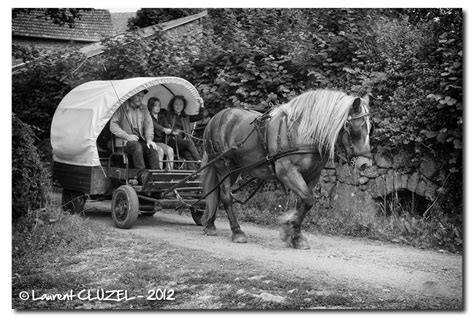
<point x="133" y="127"/>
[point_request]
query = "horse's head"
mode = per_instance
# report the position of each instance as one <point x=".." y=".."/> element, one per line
<point x="356" y="133"/>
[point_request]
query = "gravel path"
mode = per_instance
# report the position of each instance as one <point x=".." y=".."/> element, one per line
<point x="370" y="266"/>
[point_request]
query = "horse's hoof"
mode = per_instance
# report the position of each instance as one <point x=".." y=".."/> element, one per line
<point x="300" y="243"/>
<point x="210" y="231"/>
<point x="239" y="237"/>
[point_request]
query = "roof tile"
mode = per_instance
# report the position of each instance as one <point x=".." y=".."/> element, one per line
<point x="92" y="26"/>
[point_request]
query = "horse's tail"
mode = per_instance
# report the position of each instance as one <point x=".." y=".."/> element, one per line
<point x="209" y="180"/>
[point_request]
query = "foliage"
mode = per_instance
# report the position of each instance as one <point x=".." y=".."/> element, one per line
<point x="424" y="117"/>
<point x="410" y="60"/>
<point x="30" y="179"/>
<point x="38" y="89"/>
<point x="147" y="17"/>
<point x="24" y="53"/>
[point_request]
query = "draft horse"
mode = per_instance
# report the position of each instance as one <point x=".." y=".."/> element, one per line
<point x="292" y="143"/>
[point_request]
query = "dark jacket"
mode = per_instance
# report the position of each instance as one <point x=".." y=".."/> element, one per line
<point x="158" y="126"/>
<point x="183" y="121"/>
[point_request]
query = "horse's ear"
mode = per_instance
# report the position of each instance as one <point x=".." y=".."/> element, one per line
<point x="366" y="98"/>
<point x="356" y="106"/>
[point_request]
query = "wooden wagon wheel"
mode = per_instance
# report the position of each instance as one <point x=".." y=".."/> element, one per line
<point x="125" y="207"/>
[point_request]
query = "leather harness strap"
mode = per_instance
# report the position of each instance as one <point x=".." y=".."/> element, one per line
<point x="354" y="154"/>
<point x="260" y="125"/>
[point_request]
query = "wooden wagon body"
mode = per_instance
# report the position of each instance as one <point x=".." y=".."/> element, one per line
<point x="84" y="172"/>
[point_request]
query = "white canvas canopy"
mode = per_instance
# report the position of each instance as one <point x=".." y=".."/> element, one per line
<point x="85" y="110"/>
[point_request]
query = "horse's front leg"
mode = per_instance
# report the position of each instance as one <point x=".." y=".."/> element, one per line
<point x="290" y="231"/>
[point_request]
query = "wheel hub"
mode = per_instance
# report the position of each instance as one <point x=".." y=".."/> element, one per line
<point x="121" y="208"/>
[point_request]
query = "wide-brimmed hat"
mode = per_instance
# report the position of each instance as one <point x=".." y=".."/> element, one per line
<point x="144" y="91"/>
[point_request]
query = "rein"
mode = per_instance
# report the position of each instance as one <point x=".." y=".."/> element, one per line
<point x="259" y="124"/>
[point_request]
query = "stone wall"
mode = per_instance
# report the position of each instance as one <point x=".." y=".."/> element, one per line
<point x="181" y="30"/>
<point x="347" y="189"/>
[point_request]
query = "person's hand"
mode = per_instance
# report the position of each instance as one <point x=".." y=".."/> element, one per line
<point x="200" y="102"/>
<point x="132" y="137"/>
<point x="151" y="145"/>
<point x="167" y="130"/>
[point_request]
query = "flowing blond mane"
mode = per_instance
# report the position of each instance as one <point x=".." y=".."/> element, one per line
<point x="319" y="116"/>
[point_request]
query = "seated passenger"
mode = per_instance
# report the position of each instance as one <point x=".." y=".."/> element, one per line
<point x="181" y="129"/>
<point x="161" y="128"/>
<point x="133" y="127"/>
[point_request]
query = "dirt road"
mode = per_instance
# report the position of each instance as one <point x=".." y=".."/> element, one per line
<point x="383" y="270"/>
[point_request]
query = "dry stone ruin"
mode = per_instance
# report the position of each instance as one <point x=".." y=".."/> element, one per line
<point x="368" y="192"/>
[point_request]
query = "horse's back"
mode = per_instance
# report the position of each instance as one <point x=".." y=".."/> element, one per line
<point x="227" y="128"/>
<point x="232" y="115"/>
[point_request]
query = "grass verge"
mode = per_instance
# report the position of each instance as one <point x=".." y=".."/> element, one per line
<point x="436" y="232"/>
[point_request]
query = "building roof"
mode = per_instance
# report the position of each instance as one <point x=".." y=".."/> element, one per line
<point x="92" y="26"/>
<point x="97" y="48"/>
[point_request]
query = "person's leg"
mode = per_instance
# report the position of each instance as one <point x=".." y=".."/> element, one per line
<point x="183" y="146"/>
<point x="193" y="150"/>
<point x="135" y="149"/>
<point x="189" y="146"/>
<point x="174" y="145"/>
<point x="188" y="157"/>
<point x="161" y="154"/>
<point x="153" y="156"/>
<point x="170" y="152"/>
<point x="164" y="149"/>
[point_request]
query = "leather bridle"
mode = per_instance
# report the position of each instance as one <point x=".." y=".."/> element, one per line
<point x="347" y="126"/>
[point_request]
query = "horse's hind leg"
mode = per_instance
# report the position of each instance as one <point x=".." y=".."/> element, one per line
<point x="238" y="235"/>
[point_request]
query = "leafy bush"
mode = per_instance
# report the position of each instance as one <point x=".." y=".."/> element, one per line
<point x="38" y="89"/>
<point x="30" y="179"/>
<point x="418" y="108"/>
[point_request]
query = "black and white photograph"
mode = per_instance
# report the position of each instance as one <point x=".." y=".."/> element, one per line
<point x="265" y="159"/>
